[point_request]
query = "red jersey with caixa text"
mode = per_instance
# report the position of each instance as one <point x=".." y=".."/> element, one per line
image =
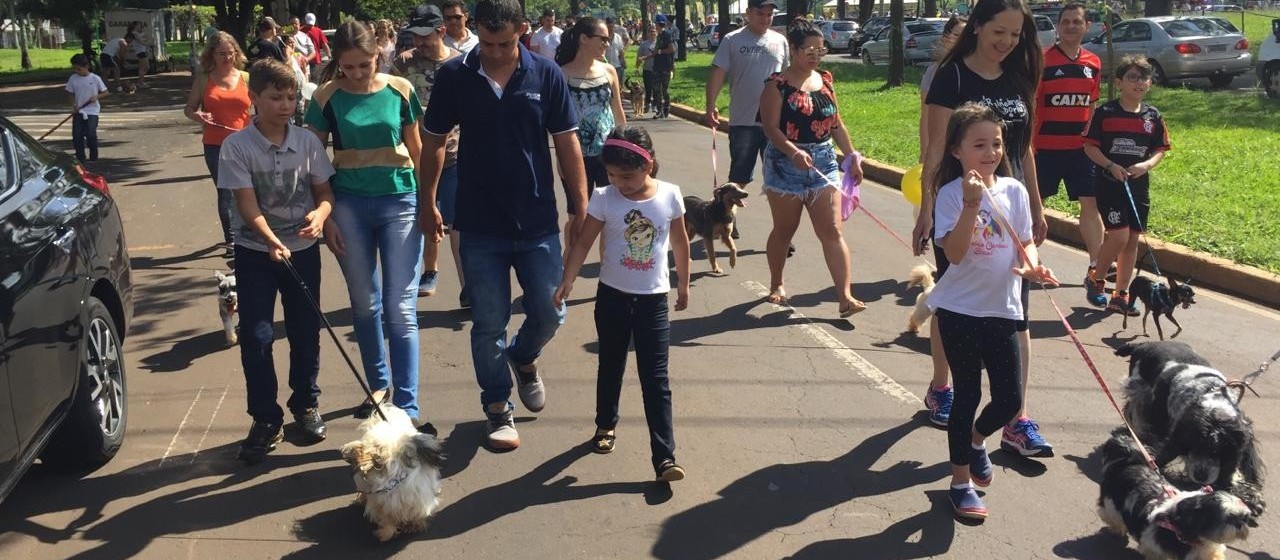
<point x="1127" y="137"/>
<point x="1064" y="102"/>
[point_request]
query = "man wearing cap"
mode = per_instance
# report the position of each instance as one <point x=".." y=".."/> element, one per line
<point x="664" y="63"/>
<point x="318" y="39"/>
<point x="267" y="45"/>
<point x="456" y="34"/>
<point x="546" y="39"/>
<point x="419" y="65"/>
<point x="747" y="56"/>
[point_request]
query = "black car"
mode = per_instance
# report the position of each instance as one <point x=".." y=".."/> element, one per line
<point x="66" y="298"/>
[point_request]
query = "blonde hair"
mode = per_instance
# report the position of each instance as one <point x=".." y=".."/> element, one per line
<point x="206" y="56"/>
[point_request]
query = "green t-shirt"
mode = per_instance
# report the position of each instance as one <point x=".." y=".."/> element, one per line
<point x="368" y="151"/>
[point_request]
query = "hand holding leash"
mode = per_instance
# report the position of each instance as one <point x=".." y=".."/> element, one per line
<point x="973" y="187"/>
<point x="562" y="293"/>
<point x="805" y="160"/>
<point x="1039" y="274"/>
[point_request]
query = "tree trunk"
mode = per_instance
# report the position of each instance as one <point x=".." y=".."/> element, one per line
<point x="722" y="17"/>
<point x="796" y="8"/>
<point x="841" y="10"/>
<point x="22" y="42"/>
<point x="646" y="20"/>
<point x="896" y="62"/>
<point x="930" y="8"/>
<point x="864" y="10"/>
<point x="682" y="21"/>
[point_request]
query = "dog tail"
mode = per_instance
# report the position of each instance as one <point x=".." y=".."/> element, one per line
<point x="921" y="276"/>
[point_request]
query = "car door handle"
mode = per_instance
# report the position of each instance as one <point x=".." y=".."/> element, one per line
<point x="66" y="235"/>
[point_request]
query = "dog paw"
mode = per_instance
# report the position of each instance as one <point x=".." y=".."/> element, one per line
<point x="384" y="533"/>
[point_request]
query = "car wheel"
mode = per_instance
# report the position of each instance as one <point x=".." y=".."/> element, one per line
<point x="827" y="45"/>
<point x="1271" y="80"/>
<point x="853" y="49"/>
<point x="1219" y="81"/>
<point x="94" y="428"/>
<point x="1157" y="74"/>
<point x="866" y="58"/>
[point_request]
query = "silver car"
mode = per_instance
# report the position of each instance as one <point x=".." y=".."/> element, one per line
<point x="918" y="38"/>
<point x="837" y="33"/>
<point x="708" y="38"/>
<point x="1179" y="48"/>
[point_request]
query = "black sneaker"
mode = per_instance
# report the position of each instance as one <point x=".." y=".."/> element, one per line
<point x="311" y="425"/>
<point x="262" y="439"/>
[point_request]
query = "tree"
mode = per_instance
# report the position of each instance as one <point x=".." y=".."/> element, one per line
<point x="72" y="14"/>
<point x="384" y="9"/>
<point x="896" y="62"/>
<point x="722" y="17"/>
<point x="864" y="10"/>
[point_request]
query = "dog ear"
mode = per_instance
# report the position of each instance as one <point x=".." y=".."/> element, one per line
<point x="426" y="449"/>
<point x="354" y="454"/>
<point x="219" y="275"/>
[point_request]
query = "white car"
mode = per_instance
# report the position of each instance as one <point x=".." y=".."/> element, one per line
<point x="1046" y="33"/>
<point x="1269" y="61"/>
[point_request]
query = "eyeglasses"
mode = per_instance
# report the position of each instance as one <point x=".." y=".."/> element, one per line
<point x="814" y="50"/>
<point x="603" y="38"/>
<point x="225" y="54"/>
<point x="1137" y="78"/>
<point x="454" y="17"/>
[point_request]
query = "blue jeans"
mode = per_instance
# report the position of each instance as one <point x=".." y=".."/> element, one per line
<point x="258" y="280"/>
<point x="381" y="267"/>
<point x="226" y="199"/>
<point x="487" y="262"/>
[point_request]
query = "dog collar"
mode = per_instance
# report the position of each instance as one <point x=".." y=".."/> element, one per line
<point x="391" y="484"/>
<point x="1164" y="523"/>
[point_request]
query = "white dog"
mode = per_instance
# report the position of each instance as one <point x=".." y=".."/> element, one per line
<point x="397" y="473"/>
<point x="920" y="276"/>
<point x="228" y="305"/>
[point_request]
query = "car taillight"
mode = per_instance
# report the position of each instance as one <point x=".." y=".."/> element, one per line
<point x="1187" y="48"/>
<point x="93" y="179"/>
<point x="715" y="35"/>
<point x="911" y="43"/>
<point x="1243" y="45"/>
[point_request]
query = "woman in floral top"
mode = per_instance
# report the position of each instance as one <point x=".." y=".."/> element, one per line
<point x="799" y="116"/>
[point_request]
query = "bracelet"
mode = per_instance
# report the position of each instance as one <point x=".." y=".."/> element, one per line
<point x="973" y="203"/>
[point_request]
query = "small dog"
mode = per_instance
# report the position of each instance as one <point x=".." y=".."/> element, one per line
<point x="228" y="305"/>
<point x="923" y="277"/>
<point x="1136" y="501"/>
<point x="635" y="92"/>
<point x="713" y="220"/>
<point x="1159" y="299"/>
<point x="1176" y="398"/>
<point x="397" y="473"/>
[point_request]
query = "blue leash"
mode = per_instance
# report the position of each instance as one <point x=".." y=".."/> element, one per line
<point x="1134" y="206"/>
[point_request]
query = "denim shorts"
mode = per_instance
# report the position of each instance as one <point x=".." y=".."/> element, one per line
<point x="783" y="177"/>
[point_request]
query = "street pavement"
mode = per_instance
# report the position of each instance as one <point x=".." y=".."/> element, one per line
<point x="801" y="433"/>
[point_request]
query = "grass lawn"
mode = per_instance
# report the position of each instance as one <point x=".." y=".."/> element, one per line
<point x="1216" y="190"/>
<point x="47" y="64"/>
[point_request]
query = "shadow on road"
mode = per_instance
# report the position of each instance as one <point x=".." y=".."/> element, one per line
<point x="1102" y="545"/>
<point x="197" y="493"/>
<point x="936" y="528"/>
<point x="686" y="332"/>
<point x="783" y="495"/>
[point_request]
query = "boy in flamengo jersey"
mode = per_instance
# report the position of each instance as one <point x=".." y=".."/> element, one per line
<point x="1126" y="138"/>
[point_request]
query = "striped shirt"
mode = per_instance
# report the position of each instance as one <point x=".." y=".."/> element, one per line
<point x="1065" y="100"/>
<point x="368" y="151"/>
<point x="1124" y="137"/>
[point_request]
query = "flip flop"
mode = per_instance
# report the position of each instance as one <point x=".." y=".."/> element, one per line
<point x="854" y="307"/>
<point x="777" y="296"/>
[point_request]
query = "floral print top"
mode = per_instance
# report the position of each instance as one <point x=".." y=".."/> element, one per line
<point x="807" y="117"/>
<point x="594" y="100"/>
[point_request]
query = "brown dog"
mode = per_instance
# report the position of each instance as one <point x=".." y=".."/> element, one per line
<point x="713" y="219"/>
<point x="635" y="92"/>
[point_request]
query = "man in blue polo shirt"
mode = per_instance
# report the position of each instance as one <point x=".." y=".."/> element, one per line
<point x="505" y="101"/>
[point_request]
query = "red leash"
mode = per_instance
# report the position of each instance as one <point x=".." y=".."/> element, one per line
<point x="715" y="180"/>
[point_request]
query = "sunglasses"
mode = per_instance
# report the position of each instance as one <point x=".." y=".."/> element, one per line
<point x="603" y="38"/>
<point x="814" y="50"/>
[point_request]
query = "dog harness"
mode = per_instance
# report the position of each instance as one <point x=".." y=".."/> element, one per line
<point x="391" y="484"/>
<point x="1160" y="296"/>
<point x="1164" y="523"/>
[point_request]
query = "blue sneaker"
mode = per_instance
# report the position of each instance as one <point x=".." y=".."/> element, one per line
<point x="980" y="469"/>
<point x="1023" y="437"/>
<point x="938" y="401"/>
<point x="966" y="503"/>
<point x="1095" y="290"/>
<point x="427" y="285"/>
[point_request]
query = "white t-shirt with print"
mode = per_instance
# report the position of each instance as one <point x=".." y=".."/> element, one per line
<point x="84" y="88"/>
<point x="636" y="237"/>
<point x="983" y="284"/>
<point x="545" y="42"/>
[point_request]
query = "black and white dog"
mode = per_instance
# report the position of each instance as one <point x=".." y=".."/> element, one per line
<point x="228" y="305"/>
<point x="1178" y="402"/>
<point x="1166" y="523"/>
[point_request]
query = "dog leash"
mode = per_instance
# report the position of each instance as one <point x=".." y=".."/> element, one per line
<point x="1134" y="207"/>
<point x="1262" y="368"/>
<point x="863" y="207"/>
<point x="64" y="121"/>
<point x="715" y="171"/>
<point x="288" y="263"/>
<point x="1071" y="332"/>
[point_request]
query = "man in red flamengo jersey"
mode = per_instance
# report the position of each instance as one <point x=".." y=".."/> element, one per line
<point x="1064" y="104"/>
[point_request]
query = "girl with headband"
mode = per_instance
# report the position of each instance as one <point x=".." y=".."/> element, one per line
<point x="639" y="219"/>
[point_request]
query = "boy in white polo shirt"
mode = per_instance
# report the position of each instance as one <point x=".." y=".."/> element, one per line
<point x="86" y="88"/>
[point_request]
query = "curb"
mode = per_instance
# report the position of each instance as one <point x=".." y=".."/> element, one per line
<point x="1241" y="280"/>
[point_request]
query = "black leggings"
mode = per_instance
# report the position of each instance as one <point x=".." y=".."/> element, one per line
<point x="971" y="343"/>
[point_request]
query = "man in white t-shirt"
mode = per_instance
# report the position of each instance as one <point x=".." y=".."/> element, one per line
<point x="547" y="38"/>
<point x="747" y="57"/>
<point x="614" y="53"/>
<point x="456" y="34"/>
<point x="110" y="60"/>
<point x="301" y="41"/>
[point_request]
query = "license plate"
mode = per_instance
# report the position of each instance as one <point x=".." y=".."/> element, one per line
<point x="1217" y="48"/>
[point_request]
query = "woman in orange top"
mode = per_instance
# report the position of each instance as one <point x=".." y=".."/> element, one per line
<point x="219" y="100"/>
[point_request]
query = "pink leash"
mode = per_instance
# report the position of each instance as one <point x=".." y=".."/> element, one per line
<point x="715" y="173"/>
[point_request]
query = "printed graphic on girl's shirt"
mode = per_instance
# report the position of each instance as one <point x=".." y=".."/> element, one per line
<point x="988" y="235"/>
<point x="640" y="235"/>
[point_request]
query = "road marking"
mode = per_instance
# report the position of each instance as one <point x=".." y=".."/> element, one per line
<point x="865" y="369"/>
<point x="210" y="426"/>
<point x="173" y="441"/>
<point x="145" y="248"/>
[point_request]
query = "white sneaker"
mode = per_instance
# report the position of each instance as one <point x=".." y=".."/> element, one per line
<point x="502" y="430"/>
<point x="533" y="394"/>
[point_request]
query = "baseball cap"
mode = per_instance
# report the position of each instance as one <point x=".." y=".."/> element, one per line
<point x="762" y="4"/>
<point x="309" y="19"/>
<point x="660" y="19"/>
<point x="426" y="20"/>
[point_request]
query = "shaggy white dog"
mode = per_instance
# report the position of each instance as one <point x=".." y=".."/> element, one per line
<point x="397" y="473"/>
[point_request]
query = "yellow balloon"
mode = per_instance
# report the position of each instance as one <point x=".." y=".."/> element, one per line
<point x="911" y="184"/>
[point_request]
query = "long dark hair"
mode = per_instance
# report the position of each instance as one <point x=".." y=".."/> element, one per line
<point x="568" y="48"/>
<point x="799" y="30"/>
<point x="965" y="116"/>
<point x="1025" y="64"/>
<point x="351" y="35"/>
<point x="627" y="159"/>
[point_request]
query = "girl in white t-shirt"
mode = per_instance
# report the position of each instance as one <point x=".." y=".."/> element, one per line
<point x="987" y="240"/>
<point x="640" y="218"/>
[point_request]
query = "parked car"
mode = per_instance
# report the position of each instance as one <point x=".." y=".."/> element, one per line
<point x="1046" y="32"/>
<point x="1223" y="8"/>
<point x="1180" y="47"/>
<point x="836" y="33"/>
<point x="1224" y="23"/>
<point x="1269" y="61"/>
<point x="708" y="38"/>
<point x="66" y="299"/>
<point x="779" y="23"/>
<point x="918" y="38"/>
<point x="869" y="30"/>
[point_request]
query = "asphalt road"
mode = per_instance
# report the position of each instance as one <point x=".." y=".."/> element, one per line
<point x="801" y="433"/>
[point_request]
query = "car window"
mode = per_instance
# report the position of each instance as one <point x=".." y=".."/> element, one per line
<point x="915" y="28"/>
<point x="842" y="26"/>
<point x="1043" y="24"/>
<point x="883" y="35"/>
<point x="29" y="164"/>
<point x="1185" y="28"/>
<point x="5" y="167"/>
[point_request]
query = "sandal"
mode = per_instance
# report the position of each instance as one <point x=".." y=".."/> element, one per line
<point x="365" y="410"/>
<point x="777" y="296"/>
<point x="669" y="471"/>
<point x="603" y="442"/>
<point x="854" y="307"/>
